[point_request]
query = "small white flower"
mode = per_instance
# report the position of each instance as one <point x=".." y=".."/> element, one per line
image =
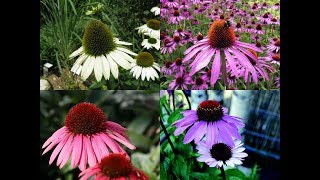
<point x="151" y="43"/>
<point x="145" y="67"/>
<point x="155" y="10"/>
<point x="152" y="28"/>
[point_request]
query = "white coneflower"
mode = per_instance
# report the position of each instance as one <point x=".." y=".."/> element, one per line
<point x="155" y="10"/>
<point x="145" y="67"/>
<point x="150" y="43"/>
<point x="221" y="154"/>
<point x="152" y="28"/>
<point x="101" y="52"/>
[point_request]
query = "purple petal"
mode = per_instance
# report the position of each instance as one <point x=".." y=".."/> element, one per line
<point x="200" y="134"/>
<point x="215" y="70"/>
<point x="202" y="62"/>
<point x="191" y="133"/>
<point x="192" y="53"/>
<point x="231" y="62"/>
<point x="250" y="46"/>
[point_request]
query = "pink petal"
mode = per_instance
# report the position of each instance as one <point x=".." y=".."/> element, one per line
<point x="129" y="145"/>
<point x="202" y="62"/>
<point x="67" y="154"/>
<point x="54" y="142"/>
<point x="96" y="148"/>
<point x="193" y="53"/>
<point x="84" y="156"/>
<point x="76" y="152"/>
<point x="102" y="146"/>
<point x="215" y="70"/>
<point x="89" y="174"/>
<point x="115" y="126"/>
<point x="66" y="148"/>
<point x="54" y="136"/>
<point x="194" y="46"/>
<point x="231" y="62"/>
<point x="110" y="142"/>
<point x="90" y="153"/>
<point x="250" y="46"/>
<point x="58" y="148"/>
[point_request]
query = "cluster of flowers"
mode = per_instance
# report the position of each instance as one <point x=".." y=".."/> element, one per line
<point x="215" y="133"/>
<point x="215" y="30"/>
<point x="102" y="53"/>
<point x="88" y="138"/>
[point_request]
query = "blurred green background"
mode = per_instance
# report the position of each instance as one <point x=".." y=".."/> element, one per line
<point x="138" y="111"/>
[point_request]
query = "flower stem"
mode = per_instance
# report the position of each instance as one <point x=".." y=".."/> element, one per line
<point x="189" y="104"/>
<point x="167" y="135"/>
<point x="223" y="173"/>
<point x="173" y="101"/>
<point x="248" y="82"/>
<point x="224" y="69"/>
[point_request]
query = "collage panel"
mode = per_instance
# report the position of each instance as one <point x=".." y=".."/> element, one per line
<point x="220" y="134"/>
<point x="220" y="44"/>
<point x="99" y="135"/>
<point x="99" y="44"/>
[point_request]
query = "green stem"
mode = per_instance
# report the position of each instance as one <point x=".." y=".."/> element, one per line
<point x="223" y="173"/>
<point x="224" y="69"/>
<point x="167" y="135"/>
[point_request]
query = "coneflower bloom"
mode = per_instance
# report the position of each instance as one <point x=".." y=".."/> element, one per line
<point x="200" y="83"/>
<point x="171" y="3"/>
<point x="168" y="46"/>
<point x="219" y="154"/>
<point x="221" y="39"/>
<point x="86" y="137"/>
<point x="178" y="66"/>
<point x="181" y="81"/>
<point x="167" y="69"/>
<point x="155" y="10"/>
<point x="152" y="28"/>
<point x="101" y="52"/>
<point x="175" y="18"/>
<point x="145" y="67"/>
<point x="259" y="29"/>
<point x="275" y="58"/>
<point x="151" y="43"/>
<point x="211" y="119"/>
<point x="114" y="166"/>
<point x="274" y="47"/>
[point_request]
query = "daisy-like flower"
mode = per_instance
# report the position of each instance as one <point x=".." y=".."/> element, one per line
<point x="101" y="52"/>
<point x="176" y="17"/>
<point x="200" y="83"/>
<point x="151" y="43"/>
<point x="274" y="47"/>
<point x="167" y="69"/>
<point x="181" y="80"/>
<point x="155" y="10"/>
<point x="219" y="154"/>
<point x="86" y="137"/>
<point x="152" y="28"/>
<point x="114" y="166"/>
<point x="145" y="67"/>
<point x="221" y="39"/>
<point x="211" y="119"/>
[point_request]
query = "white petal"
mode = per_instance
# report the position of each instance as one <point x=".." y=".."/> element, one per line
<point x="213" y="164"/>
<point x="98" y="68"/>
<point x="105" y="67"/>
<point x="240" y="155"/>
<point x="87" y="67"/>
<point x="126" y="56"/>
<point x="121" y="42"/>
<point x="235" y="161"/>
<point x="229" y="163"/>
<point x="113" y="67"/>
<point x="120" y="60"/>
<point x="220" y="163"/>
<point x="139" y="71"/>
<point x="76" y="53"/>
<point x="78" y="63"/>
<point x="147" y="74"/>
<point x="154" y="72"/>
<point x="143" y="74"/>
<point x="156" y="65"/>
<point x="241" y="149"/>
<point x="127" y="51"/>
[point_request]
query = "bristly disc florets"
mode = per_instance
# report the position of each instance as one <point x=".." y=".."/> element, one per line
<point x="209" y="111"/>
<point x="116" y="165"/>
<point x="221" y="152"/>
<point x="145" y="59"/>
<point x="221" y="35"/>
<point x="153" y="24"/>
<point x="97" y="39"/>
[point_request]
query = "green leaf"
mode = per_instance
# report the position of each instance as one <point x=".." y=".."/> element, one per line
<point x="199" y="175"/>
<point x="97" y="85"/>
<point x="180" y="168"/>
<point x="235" y="174"/>
<point x="175" y="116"/>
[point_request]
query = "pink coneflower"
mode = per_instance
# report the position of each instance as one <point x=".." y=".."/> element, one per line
<point x="238" y="27"/>
<point x="220" y="42"/>
<point x="200" y="83"/>
<point x="181" y="81"/>
<point x="259" y="29"/>
<point x="177" y="40"/>
<point x="260" y="66"/>
<point x="199" y="37"/>
<point x="175" y="18"/>
<point x="195" y="22"/>
<point x="86" y="137"/>
<point x="274" y="47"/>
<point x="211" y="119"/>
<point x="171" y="3"/>
<point x="184" y="5"/>
<point x="276" y="6"/>
<point x="114" y="166"/>
<point x="179" y="32"/>
<point x="219" y="154"/>
<point x="275" y="58"/>
<point x="166" y="69"/>
<point x="274" y="21"/>
<point x="265" y="18"/>
<point x="178" y="66"/>
<point x="167" y="46"/>
<point x="164" y="10"/>
<point x="277" y="82"/>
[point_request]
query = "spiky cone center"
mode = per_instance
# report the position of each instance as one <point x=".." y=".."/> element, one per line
<point x="176" y="39"/>
<point x="276" y="57"/>
<point x="277" y="43"/>
<point x="178" y="61"/>
<point x="199" y="81"/>
<point x="154" y="24"/>
<point x="179" y="80"/>
<point x="253" y="62"/>
<point x="152" y="41"/>
<point x="168" y="64"/>
<point x="221" y="152"/>
<point x="221" y="35"/>
<point x="86" y="119"/>
<point x="209" y="111"/>
<point x="176" y="13"/>
<point x="116" y="165"/>
<point x="97" y="39"/>
<point x="144" y="59"/>
<point x="199" y="37"/>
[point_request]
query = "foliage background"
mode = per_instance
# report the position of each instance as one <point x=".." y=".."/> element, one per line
<point x="138" y="111"/>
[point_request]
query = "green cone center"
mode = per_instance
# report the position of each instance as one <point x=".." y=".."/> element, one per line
<point x="153" y="24"/>
<point x="97" y="39"/>
<point x="152" y="41"/>
<point x="145" y="59"/>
